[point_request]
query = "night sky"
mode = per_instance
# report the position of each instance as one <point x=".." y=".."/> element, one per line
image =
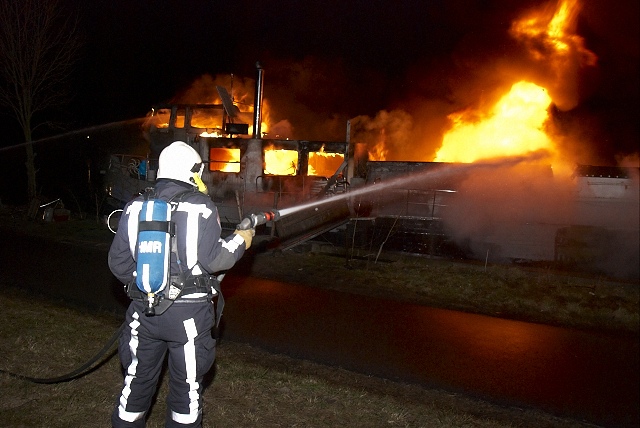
<point x="330" y="61"/>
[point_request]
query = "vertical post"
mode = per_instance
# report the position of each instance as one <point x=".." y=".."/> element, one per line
<point x="257" y="108"/>
<point x="348" y="140"/>
<point x="349" y="155"/>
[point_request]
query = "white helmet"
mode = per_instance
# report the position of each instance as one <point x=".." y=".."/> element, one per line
<point x="180" y="161"/>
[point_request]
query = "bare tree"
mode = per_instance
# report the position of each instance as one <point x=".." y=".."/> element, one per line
<point x="39" y="44"/>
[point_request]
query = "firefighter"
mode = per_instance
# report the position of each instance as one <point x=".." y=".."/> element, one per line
<point x="185" y="328"/>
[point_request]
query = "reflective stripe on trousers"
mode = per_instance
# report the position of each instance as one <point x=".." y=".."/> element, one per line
<point x="185" y="331"/>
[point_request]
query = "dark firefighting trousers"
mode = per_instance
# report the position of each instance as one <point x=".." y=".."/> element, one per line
<point x="184" y="330"/>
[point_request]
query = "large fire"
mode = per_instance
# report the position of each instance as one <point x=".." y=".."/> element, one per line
<point x="516" y="124"/>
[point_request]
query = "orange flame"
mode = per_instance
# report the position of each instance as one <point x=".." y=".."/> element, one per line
<point x="285" y="162"/>
<point x="549" y="34"/>
<point x="379" y="151"/>
<point x="225" y="160"/>
<point x="516" y="124"/>
<point x="323" y="163"/>
<point x="211" y="119"/>
<point x="280" y="162"/>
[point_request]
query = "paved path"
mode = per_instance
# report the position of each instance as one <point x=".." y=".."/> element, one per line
<point x="564" y="371"/>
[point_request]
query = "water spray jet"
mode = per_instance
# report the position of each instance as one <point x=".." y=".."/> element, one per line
<point x="75" y="132"/>
<point x="444" y="171"/>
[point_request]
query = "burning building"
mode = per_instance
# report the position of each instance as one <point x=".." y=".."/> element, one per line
<point x="245" y="173"/>
<point x="499" y="180"/>
<point x="505" y="183"/>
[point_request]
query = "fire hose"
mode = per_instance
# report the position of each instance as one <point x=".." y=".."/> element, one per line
<point x="250" y="222"/>
<point x="79" y="372"/>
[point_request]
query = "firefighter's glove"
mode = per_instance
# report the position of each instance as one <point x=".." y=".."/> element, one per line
<point x="247" y="235"/>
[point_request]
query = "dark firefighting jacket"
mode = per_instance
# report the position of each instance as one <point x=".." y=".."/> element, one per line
<point x="200" y="248"/>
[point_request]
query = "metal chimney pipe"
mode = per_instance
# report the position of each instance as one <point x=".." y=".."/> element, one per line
<point x="257" y="104"/>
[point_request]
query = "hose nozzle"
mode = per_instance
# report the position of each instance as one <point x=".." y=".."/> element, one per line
<point x="253" y="220"/>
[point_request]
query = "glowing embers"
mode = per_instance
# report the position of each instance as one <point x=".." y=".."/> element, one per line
<point x="225" y="160"/>
<point x="514" y="125"/>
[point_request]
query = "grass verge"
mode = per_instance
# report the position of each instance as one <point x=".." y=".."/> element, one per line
<point x="539" y="295"/>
